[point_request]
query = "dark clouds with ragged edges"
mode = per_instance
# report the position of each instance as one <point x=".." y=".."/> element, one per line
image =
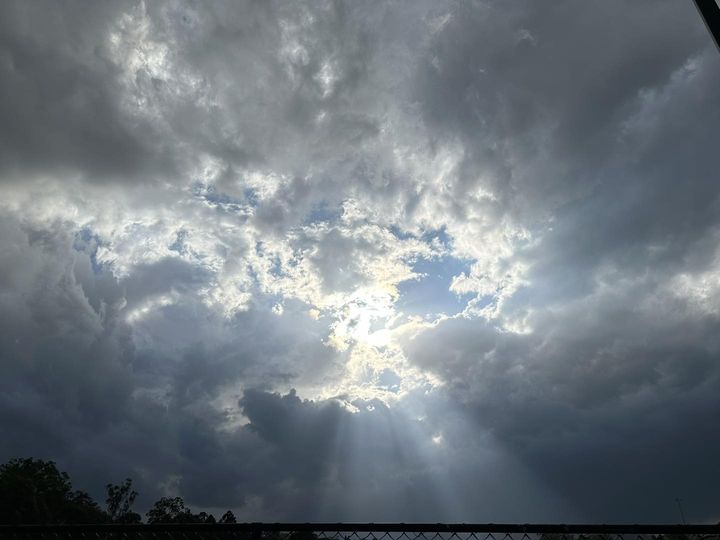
<point x="210" y="215"/>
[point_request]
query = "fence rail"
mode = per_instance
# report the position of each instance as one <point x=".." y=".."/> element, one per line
<point x="361" y="531"/>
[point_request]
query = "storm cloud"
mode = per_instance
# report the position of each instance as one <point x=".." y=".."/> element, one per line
<point x="383" y="261"/>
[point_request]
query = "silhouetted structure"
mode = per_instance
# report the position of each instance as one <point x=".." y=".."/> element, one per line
<point x="710" y="13"/>
<point x="364" y="531"/>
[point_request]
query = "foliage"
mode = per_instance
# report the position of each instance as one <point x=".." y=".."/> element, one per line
<point x="228" y="517"/>
<point x="119" y="501"/>
<point x="34" y="491"/>
<point x="169" y="510"/>
<point x="173" y="510"/>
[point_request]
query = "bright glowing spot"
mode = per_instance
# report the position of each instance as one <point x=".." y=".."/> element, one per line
<point x="139" y="313"/>
<point x="347" y="406"/>
<point x="365" y="328"/>
<point x="362" y="319"/>
<point x="438" y="439"/>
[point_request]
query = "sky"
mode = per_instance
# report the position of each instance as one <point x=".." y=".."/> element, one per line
<point x="407" y="260"/>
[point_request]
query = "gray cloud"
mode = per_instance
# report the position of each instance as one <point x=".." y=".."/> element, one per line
<point x="61" y="109"/>
<point x="207" y="213"/>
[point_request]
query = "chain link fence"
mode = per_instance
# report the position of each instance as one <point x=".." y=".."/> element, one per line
<point x="359" y="531"/>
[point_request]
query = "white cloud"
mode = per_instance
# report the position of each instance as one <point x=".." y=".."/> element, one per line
<point x="210" y="215"/>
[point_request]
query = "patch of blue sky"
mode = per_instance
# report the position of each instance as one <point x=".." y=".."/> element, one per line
<point x="431" y="294"/>
<point x="400" y="234"/>
<point x="431" y="236"/>
<point x="86" y="241"/>
<point x="179" y="244"/>
<point x="221" y="200"/>
<point x="323" y="213"/>
<point x="438" y="235"/>
<point x="251" y="197"/>
<point x="275" y="269"/>
<point x="389" y="380"/>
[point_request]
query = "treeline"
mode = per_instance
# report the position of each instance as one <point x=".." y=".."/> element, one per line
<point x="34" y="491"/>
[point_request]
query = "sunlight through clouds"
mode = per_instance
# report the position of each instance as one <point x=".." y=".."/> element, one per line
<point x="334" y="260"/>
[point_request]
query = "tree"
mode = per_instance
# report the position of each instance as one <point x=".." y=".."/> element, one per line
<point x="34" y="491"/>
<point x="119" y="501"/>
<point x="204" y="517"/>
<point x="173" y="510"/>
<point x="170" y="510"/>
<point x="81" y="508"/>
<point x="228" y="517"/>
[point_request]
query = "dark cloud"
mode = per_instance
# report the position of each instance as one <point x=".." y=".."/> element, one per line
<point x="62" y="109"/>
<point x="595" y="151"/>
<point x="539" y="95"/>
<point x="206" y="212"/>
<point x="601" y="398"/>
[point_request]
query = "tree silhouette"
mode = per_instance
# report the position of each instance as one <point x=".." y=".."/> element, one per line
<point x="34" y="491"/>
<point x="169" y="510"/>
<point x="228" y="517"/>
<point x="173" y="510"/>
<point x="119" y="500"/>
<point x="203" y="517"/>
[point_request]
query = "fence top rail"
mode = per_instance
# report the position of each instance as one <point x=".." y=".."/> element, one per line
<point x="487" y="528"/>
